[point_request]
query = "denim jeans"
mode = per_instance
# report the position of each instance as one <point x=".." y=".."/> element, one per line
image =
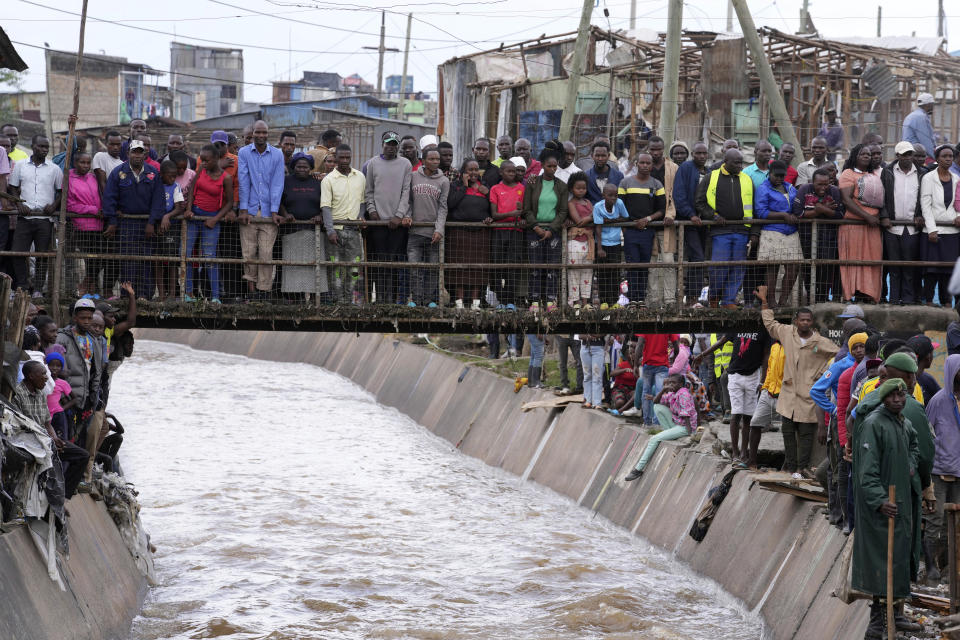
<point x="671" y="431"/>
<point x="653" y="377"/>
<point x="725" y="282"/>
<point x="208" y="249"/>
<point x="423" y="281"/>
<point x="543" y="282"/>
<point x="133" y="242"/>
<point x="536" y="349"/>
<point x="592" y="359"/>
<point x="638" y="247"/>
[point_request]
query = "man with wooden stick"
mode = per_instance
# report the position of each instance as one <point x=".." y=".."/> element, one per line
<point x="885" y="455"/>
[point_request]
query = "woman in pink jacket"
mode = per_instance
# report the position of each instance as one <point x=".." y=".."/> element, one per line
<point x="85" y="228"/>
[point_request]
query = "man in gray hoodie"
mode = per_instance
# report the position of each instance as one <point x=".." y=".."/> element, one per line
<point x="429" y="189"/>
<point x="388" y="199"/>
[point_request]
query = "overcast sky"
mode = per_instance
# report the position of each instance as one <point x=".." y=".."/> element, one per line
<point x="298" y="35"/>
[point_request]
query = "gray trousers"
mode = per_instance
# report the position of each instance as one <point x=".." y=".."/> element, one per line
<point x="945" y="492"/>
<point x="564" y="343"/>
<point x="344" y="282"/>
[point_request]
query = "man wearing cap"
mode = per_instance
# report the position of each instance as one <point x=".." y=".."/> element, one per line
<point x="886" y="454"/>
<point x="917" y="127"/>
<point x="387" y="198"/>
<point x="326" y="144"/>
<point x="38" y="181"/>
<point x="134" y="189"/>
<point x="85" y="366"/>
<point x="261" y="176"/>
<point x="901" y="242"/>
<point x="824" y="394"/>
<point x="807" y="354"/>
<point x="832" y="133"/>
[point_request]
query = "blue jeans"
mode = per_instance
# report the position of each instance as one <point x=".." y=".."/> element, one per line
<point x="591" y="358"/>
<point x="536" y="349"/>
<point x="653" y="377"/>
<point x="208" y="249"/>
<point x="543" y="282"/>
<point x="726" y="281"/>
<point x="638" y="247"/>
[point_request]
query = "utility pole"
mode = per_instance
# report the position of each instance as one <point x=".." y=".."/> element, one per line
<point x="633" y="14"/>
<point x="729" y="16"/>
<point x="805" y="17"/>
<point x="403" y="78"/>
<point x="381" y="49"/>
<point x="768" y="83"/>
<point x="879" y="16"/>
<point x="579" y="64"/>
<point x="56" y="278"/>
<point x="671" y="74"/>
<point x="941" y="18"/>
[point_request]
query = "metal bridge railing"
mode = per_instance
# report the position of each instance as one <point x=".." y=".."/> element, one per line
<point x="492" y="263"/>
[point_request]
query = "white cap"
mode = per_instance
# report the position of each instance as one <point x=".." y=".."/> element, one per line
<point x="925" y="98"/>
<point x="518" y="162"/>
<point x="904" y="147"/>
<point x="427" y="140"/>
<point x="136" y="144"/>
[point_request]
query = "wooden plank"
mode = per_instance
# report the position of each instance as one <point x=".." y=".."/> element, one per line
<point x="783" y="477"/>
<point x="794" y="491"/>
<point x="552" y="403"/>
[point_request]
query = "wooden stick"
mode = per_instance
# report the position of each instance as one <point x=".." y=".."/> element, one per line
<point x="891" y="625"/>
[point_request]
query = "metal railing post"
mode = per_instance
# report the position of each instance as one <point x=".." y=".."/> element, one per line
<point x="321" y="262"/>
<point x="951" y="512"/>
<point x="681" y="229"/>
<point x="182" y="271"/>
<point x="813" y="262"/>
<point x="442" y="261"/>
<point x="564" y="274"/>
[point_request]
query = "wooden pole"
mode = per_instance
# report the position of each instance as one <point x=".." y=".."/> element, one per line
<point x="891" y="522"/>
<point x="768" y="82"/>
<point x="671" y="74"/>
<point x="56" y="280"/>
<point x="579" y="65"/>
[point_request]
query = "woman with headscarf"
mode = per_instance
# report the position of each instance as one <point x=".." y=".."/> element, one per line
<point x="938" y="189"/>
<point x="679" y="152"/>
<point x="862" y="193"/>
<point x="300" y="210"/>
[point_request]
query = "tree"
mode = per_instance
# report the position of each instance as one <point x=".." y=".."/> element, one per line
<point x="10" y="79"/>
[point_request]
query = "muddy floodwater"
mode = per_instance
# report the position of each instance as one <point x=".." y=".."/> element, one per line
<point x="285" y="503"/>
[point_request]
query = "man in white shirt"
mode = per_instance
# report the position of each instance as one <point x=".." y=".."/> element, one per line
<point x="818" y="151"/>
<point x="106" y="161"/>
<point x="38" y="182"/>
<point x="901" y="183"/>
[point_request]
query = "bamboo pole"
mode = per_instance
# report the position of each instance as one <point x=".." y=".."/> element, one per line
<point x="56" y="280"/>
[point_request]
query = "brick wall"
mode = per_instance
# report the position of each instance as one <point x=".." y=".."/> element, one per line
<point x="99" y="100"/>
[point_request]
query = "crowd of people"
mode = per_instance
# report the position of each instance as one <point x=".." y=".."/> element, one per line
<point x="871" y="399"/>
<point x="63" y="386"/>
<point x="238" y="195"/>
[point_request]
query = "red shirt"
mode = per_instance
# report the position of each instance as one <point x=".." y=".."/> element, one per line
<point x="791" y="176"/>
<point x="843" y="401"/>
<point x="627" y="378"/>
<point x="533" y="170"/>
<point x="656" y="348"/>
<point x="153" y="163"/>
<point x="507" y="198"/>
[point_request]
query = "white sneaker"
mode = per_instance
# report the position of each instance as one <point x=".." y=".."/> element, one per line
<point x="511" y="353"/>
<point x="476" y="305"/>
<point x="458" y="303"/>
<point x="632" y="411"/>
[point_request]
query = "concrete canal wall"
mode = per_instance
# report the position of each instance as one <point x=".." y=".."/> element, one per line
<point x="104" y="589"/>
<point x="774" y="552"/>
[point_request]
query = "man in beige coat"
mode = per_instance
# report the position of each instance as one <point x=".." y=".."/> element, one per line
<point x="807" y="355"/>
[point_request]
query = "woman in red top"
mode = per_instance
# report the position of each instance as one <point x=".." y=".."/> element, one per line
<point x="211" y="197"/>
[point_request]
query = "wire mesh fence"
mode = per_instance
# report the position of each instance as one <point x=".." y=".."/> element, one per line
<point x="477" y="265"/>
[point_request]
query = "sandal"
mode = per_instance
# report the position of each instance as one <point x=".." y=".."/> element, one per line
<point x="740" y="464"/>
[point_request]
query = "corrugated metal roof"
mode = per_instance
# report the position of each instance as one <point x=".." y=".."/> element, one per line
<point x="926" y="46"/>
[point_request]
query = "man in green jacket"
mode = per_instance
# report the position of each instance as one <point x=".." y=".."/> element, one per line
<point x="886" y="455"/>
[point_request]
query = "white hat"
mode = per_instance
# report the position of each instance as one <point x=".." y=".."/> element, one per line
<point x="925" y="98"/>
<point x="903" y="147"/>
<point x="427" y="140"/>
<point x="518" y="162"/>
<point x="137" y="144"/>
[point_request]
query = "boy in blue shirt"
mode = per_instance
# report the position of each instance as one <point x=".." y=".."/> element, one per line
<point x="609" y="210"/>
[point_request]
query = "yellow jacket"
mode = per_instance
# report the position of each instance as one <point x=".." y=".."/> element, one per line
<point x="774" y="379"/>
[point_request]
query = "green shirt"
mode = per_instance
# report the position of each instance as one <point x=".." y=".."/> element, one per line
<point x="547" y="204"/>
